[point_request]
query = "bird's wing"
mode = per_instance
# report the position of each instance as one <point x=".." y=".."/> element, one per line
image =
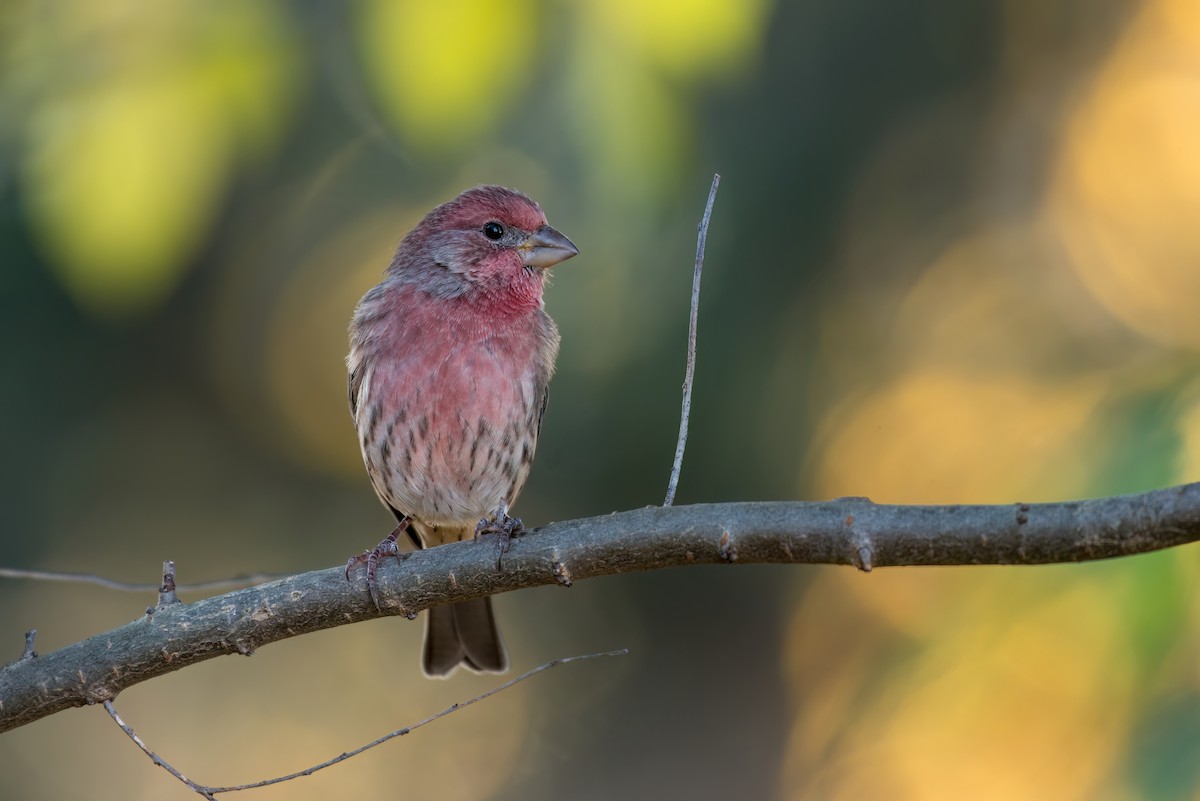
<point x="544" y="370"/>
<point x="541" y="413"/>
<point x="358" y="373"/>
<point x="355" y="382"/>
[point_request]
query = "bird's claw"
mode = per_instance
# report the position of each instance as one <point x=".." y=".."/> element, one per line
<point x="386" y="547"/>
<point x="504" y="527"/>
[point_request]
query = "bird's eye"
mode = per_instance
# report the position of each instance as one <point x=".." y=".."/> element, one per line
<point x="493" y="230"/>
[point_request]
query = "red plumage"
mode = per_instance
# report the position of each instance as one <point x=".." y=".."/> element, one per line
<point x="450" y="362"/>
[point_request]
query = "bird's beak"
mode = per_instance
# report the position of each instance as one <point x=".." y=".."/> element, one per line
<point x="546" y="247"/>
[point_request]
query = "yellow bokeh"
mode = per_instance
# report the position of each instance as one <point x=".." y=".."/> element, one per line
<point x="998" y="351"/>
<point x="446" y="72"/>
<point x="631" y="123"/>
<point x="624" y="101"/>
<point x="935" y="436"/>
<point x="122" y="185"/>
<point x="124" y="171"/>
<point x="1012" y="694"/>
<point x="307" y="340"/>
<point x="973" y="306"/>
<point x="689" y="39"/>
<point x="985" y="699"/>
<point x="1125" y="196"/>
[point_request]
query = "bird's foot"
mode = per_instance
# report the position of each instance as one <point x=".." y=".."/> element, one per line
<point x="386" y="547"/>
<point x="503" y="526"/>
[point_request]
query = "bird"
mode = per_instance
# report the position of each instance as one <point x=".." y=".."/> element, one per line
<point x="450" y="361"/>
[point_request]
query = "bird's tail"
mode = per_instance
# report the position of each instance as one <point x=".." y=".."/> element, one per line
<point x="463" y="633"/>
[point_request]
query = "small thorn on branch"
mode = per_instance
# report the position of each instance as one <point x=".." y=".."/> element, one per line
<point x="166" y="592"/>
<point x="29" y="652"/>
<point x="864" y="557"/>
<point x="728" y="548"/>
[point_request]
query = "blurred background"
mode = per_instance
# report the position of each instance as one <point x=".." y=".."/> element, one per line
<point x="955" y="258"/>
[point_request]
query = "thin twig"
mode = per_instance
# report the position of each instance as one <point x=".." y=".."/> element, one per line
<point x="430" y="719"/>
<point x="155" y="758"/>
<point x="127" y="586"/>
<point x="701" y="236"/>
<point x="211" y="792"/>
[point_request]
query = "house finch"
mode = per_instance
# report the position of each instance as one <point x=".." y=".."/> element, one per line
<point x="450" y="362"/>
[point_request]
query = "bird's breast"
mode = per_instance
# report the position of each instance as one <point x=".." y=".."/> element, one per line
<point x="448" y="417"/>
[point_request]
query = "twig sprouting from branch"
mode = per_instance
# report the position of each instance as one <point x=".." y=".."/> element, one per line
<point x="847" y="531"/>
<point x="686" y="412"/>
<point x="211" y="792"/>
<point x="166" y="593"/>
<point x="127" y="586"/>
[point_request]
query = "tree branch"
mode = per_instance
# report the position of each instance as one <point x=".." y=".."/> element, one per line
<point x="847" y="531"/>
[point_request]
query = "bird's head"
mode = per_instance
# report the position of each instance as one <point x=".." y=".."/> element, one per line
<point x="488" y="241"/>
